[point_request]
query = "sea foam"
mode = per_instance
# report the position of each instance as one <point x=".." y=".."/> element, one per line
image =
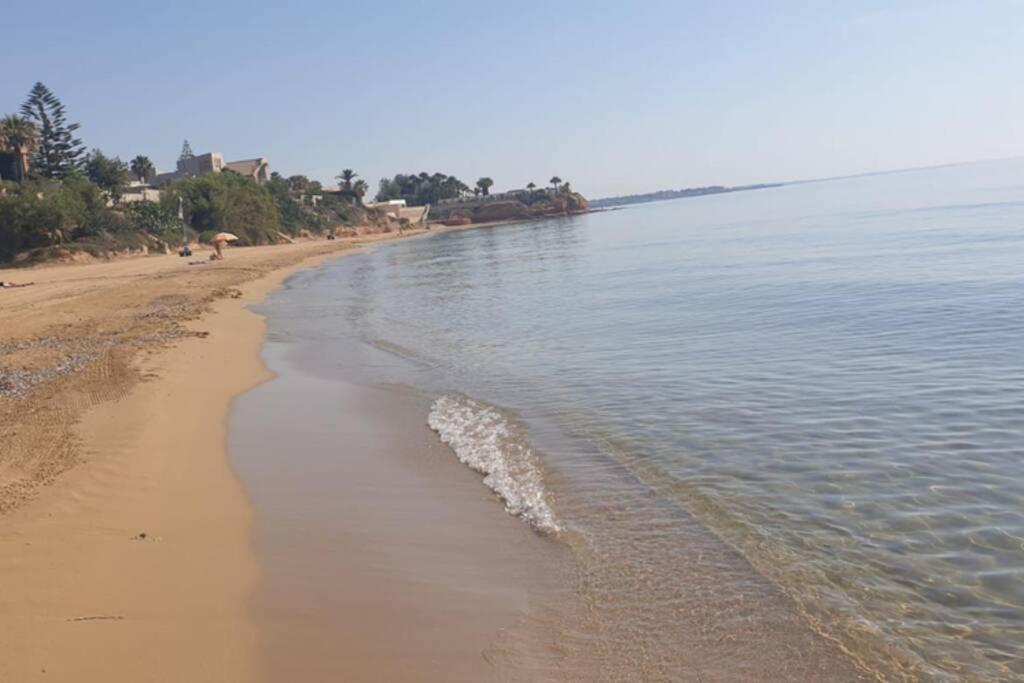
<point x="485" y="440"/>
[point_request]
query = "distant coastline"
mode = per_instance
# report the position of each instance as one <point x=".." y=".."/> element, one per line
<point x="623" y="200"/>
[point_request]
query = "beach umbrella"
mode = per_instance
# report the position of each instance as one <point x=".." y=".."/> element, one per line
<point x="224" y="237"/>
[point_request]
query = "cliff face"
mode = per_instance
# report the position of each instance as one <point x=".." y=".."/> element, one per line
<point x="510" y="210"/>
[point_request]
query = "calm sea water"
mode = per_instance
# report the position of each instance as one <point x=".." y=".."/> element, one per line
<point x="827" y="376"/>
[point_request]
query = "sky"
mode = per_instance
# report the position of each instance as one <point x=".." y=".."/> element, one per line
<point x="616" y="97"/>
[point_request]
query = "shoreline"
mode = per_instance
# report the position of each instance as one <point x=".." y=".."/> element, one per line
<point x="107" y="574"/>
<point x="344" y="494"/>
<point x="383" y="556"/>
<point x="110" y="575"/>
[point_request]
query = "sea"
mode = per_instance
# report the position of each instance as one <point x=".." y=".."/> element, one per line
<point x="810" y="394"/>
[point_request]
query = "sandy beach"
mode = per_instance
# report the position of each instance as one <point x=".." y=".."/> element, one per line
<point x="124" y="534"/>
<point x="157" y="525"/>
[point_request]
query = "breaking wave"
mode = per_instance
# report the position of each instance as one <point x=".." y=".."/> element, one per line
<point x="485" y="440"/>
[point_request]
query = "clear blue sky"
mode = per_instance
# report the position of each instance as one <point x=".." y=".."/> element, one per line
<point x="615" y="96"/>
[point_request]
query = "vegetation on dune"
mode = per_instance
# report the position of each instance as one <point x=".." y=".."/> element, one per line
<point x="56" y="199"/>
<point x="60" y="200"/>
<point x="294" y="217"/>
<point x="78" y="214"/>
<point x="532" y="202"/>
<point x="420" y="189"/>
<point x="157" y="219"/>
<point x="227" y="202"/>
<point x="36" y="214"/>
<point x="299" y="185"/>
<point x="108" y="173"/>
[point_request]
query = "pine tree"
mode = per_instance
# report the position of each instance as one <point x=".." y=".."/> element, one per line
<point x="58" y="152"/>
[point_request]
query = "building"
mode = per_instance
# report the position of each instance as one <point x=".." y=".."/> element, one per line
<point x="397" y="209"/>
<point x="136" y="191"/>
<point x="390" y="204"/>
<point x="191" y="165"/>
<point x="257" y="169"/>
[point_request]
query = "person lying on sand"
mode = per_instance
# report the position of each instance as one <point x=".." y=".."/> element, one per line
<point x="7" y="284"/>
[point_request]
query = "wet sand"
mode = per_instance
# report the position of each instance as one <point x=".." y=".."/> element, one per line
<point x="383" y="557"/>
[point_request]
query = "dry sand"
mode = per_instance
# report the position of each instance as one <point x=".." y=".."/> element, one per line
<point x="124" y="534"/>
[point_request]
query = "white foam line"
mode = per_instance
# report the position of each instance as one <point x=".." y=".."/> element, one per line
<point x="483" y="439"/>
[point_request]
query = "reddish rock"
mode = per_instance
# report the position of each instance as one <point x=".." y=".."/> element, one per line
<point x="456" y="220"/>
<point x="501" y="211"/>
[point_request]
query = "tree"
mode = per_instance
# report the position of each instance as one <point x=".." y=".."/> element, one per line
<point x="142" y="168"/>
<point x="110" y="174"/>
<point x="21" y="138"/>
<point x="298" y="184"/>
<point x="59" y="152"/>
<point x="531" y="186"/>
<point x="555" y="182"/>
<point x="230" y="202"/>
<point x="359" y="188"/>
<point x="295" y="216"/>
<point x="419" y="189"/>
<point x="485" y="184"/>
<point x="346" y="177"/>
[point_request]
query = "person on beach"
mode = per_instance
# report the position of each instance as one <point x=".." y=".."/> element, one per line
<point x="218" y="241"/>
<point x="7" y="284"/>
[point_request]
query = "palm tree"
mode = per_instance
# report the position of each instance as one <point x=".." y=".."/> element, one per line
<point x="359" y="189"/>
<point x="485" y="184"/>
<point x="555" y="182"/>
<point x="21" y="137"/>
<point x="142" y="168"/>
<point x="346" y="177"/>
<point x="531" y="186"/>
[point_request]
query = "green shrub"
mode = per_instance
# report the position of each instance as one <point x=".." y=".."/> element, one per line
<point x="35" y="214"/>
<point x="157" y="220"/>
<point x="227" y="202"/>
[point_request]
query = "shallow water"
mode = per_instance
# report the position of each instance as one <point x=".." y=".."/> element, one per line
<point x="829" y="376"/>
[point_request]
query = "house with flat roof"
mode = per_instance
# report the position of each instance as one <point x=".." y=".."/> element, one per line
<point x="191" y="165"/>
